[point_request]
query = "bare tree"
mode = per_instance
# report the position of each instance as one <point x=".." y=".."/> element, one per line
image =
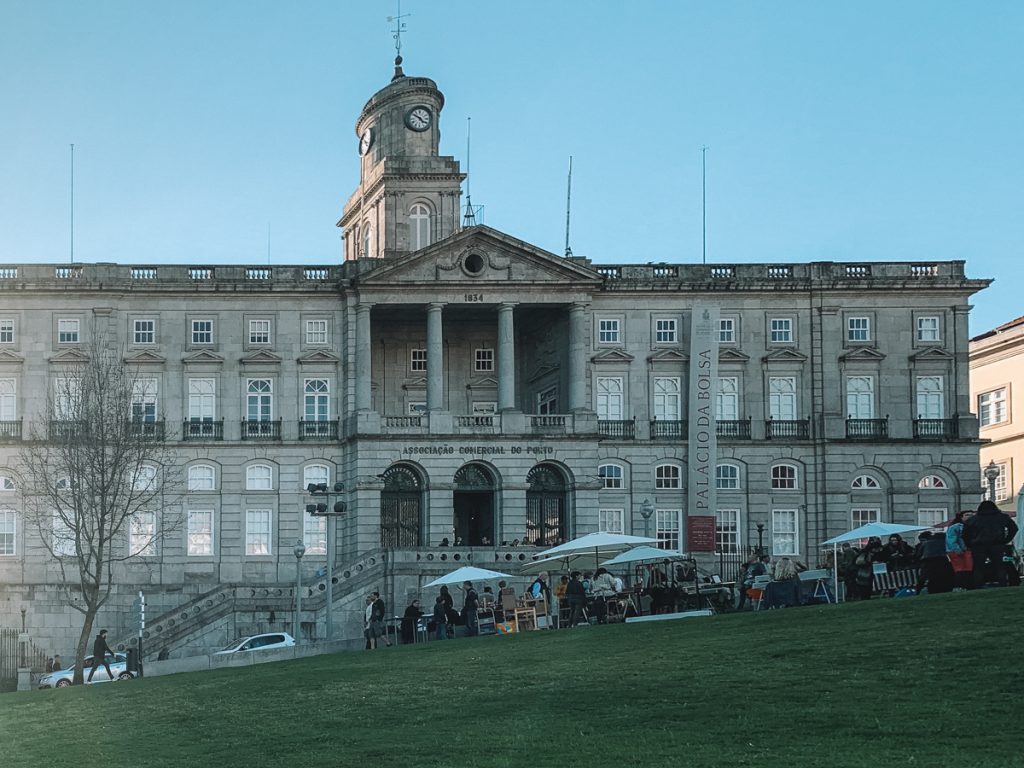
<point x="103" y="487"/>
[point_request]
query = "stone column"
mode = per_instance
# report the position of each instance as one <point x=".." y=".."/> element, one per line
<point x="363" y="357"/>
<point x="577" y="358"/>
<point x="506" y="358"/>
<point x="435" y="358"/>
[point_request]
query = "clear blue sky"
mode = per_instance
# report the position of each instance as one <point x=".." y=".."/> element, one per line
<point x="836" y="131"/>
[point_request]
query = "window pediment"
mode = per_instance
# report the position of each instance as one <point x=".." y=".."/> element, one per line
<point x="612" y="356"/>
<point x="863" y="355"/>
<point x="931" y="355"/>
<point x="145" y="357"/>
<point x="317" y="356"/>
<point x="784" y="356"/>
<point x="484" y="383"/>
<point x="202" y="356"/>
<point x="261" y="356"/>
<point x="70" y="356"/>
<point x="7" y="356"/>
<point x="732" y="355"/>
<point x="420" y="382"/>
<point x="668" y="356"/>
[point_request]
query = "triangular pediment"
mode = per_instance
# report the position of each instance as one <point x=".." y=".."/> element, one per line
<point x="931" y="354"/>
<point x="541" y="371"/>
<point x="863" y="355"/>
<point x="202" y="356"/>
<point x="668" y="356"/>
<point x="7" y="356"/>
<point x="145" y="357"/>
<point x="784" y="356"/>
<point x="612" y="356"/>
<point x="262" y="356"/>
<point x="479" y="256"/>
<point x="417" y="383"/>
<point x="488" y="382"/>
<point x="731" y="355"/>
<point x="318" y="356"/>
<point x="70" y="356"/>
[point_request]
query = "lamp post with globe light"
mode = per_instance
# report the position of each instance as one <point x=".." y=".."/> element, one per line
<point x="299" y="549"/>
<point x="992" y="473"/>
<point x="646" y="510"/>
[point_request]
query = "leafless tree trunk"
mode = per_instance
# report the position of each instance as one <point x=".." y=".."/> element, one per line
<point x="102" y="486"/>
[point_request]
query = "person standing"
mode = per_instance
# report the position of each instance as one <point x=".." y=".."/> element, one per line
<point x="604" y="588"/>
<point x="577" y="597"/>
<point x="100" y="649"/>
<point x="57" y="665"/>
<point x="936" y="573"/>
<point x="986" y="534"/>
<point x="958" y="553"/>
<point x="377" y="630"/>
<point x="469" y="609"/>
<point x="409" y="620"/>
<point x="441" y="618"/>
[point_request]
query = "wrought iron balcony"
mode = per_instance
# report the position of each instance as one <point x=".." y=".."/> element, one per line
<point x="936" y="429"/>
<point x="867" y="429"/>
<point x="261" y="430"/>
<point x="195" y="430"/>
<point x="147" y="430"/>
<point x="624" y="429"/>
<point x="318" y="430"/>
<point x="668" y="429"/>
<point x="10" y="431"/>
<point x="733" y="430"/>
<point x="61" y="429"/>
<point x="787" y="429"/>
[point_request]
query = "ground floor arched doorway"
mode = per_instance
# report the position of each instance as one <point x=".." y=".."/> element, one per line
<point x="473" y="505"/>
<point x="401" y="508"/>
<point x="546" y="505"/>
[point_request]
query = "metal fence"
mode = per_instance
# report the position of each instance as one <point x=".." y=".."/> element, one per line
<point x="10" y="655"/>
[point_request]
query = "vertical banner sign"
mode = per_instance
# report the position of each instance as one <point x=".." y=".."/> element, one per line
<point x="702" y="456"/>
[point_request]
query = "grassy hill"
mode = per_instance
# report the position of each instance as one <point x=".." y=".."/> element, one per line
<point x="926" y="681"/>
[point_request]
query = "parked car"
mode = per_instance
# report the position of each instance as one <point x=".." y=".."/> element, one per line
<point x="63" y="678"/>
<point x="258" y="643"/>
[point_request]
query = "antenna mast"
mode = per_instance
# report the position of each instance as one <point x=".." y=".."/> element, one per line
<point x="469" y="218"/>
<point x="72" y="203"/>
<point x="568" y="208"/>
<point x="704" y="204"/>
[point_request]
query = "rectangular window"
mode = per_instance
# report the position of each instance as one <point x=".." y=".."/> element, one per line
<point x="259" y="400"/>
<point x="727" y="531"/>
<point x="781" y="330"/>
<point x="665" y="331"/>
<point x="858" y="329"/>
<point x="992" y="407"/>
<point x="257" y="532"/>
<point x="144" y="393"/>
<point x="667" y="521"/>
<point x="863" y="516"/>
<point x="259" y="331"/>
<point x="142" y="534"/>
<point x="727" y="399"/>
<point x="63" y="541"/>
<point x="666" y="398"/>
<point x="145" y="332"/>
<point x="1003" y="484"/>
<point x="547" y="401"/>
<point x="782" y="398"/>
<point x="483" y="360"/>
<point x="484" y="408"/>
<point x="727" y="331"/>
<point x="8" y="532"/>
<point x="316" y="332"/>
<point x="202" y="399"/>
<point x="8" y="399"/>
<point x="200" y="532"/>
<point x="608" y="331"/>
<point x="860" y="397"/>
<point x="68" y="331"/>
<point x="609" y="398"/>
<point x="317" y="400"/>
<point x="314" y="534"/>
<point x="933" y="517"/>
<point x="418" y="360"/>
<point x="931" y="403"/>
<point x="785" y="533"/>
<point x="6" y="331"/>
<point x="610" y="520"/>
<point x="202" y="331"/>
<point x="67" y="394"/>
<point x="667" y="477"/>
<point x="928" y="329"/>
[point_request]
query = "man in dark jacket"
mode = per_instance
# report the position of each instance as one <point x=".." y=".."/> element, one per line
<point x="986" y="534"/>
<point x="100" y="649"/>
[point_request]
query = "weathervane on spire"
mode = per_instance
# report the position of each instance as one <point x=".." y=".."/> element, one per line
<point x="397" y="35"/>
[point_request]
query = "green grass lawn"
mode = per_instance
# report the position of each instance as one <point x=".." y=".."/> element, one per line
<point x="926" y="681"/>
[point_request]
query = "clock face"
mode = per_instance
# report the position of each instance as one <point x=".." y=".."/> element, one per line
<point x="418" y="118"/>
<point x="366" y="141"/>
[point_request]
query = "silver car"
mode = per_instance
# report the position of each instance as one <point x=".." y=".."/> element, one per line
<point x="64" y="678"/>
<point x="258" y="643"/>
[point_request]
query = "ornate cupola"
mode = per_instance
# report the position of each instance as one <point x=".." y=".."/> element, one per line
<point x="408" y="195"/>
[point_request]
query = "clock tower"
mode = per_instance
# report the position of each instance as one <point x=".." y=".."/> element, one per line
<point x="408" y="195"/>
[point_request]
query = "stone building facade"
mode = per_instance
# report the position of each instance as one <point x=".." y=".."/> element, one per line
<point x="470" y="388"/>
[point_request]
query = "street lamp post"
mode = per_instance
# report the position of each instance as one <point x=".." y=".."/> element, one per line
<point x="646" y="510"/>
<point x="299" y="550"/>
<point x="992" y="473"/>
<point x="331" y="510"/>
<point x="760" y="539"/>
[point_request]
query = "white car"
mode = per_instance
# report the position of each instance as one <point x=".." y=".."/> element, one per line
<point x="64" y="678"/>
<point x="258" y="643"/>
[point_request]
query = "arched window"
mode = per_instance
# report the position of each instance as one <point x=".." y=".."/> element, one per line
<point x="367" y="232"/>
<point x="727" y="477"/>
<point x="317" y="474"/>
<point x="667" y="477"/>
<point x="6" y="484"/>
<point x="864" y="483"/>
<point x="201" y="477"/>
<point x="419" y="226"/>
<point x="401" y="503"/>
<point x="546" y="506"/>
<point x="259" y="477"/>
<point x="932" y="483"/>
<point x="611" y="475"/>
<point x="784" y="477"/>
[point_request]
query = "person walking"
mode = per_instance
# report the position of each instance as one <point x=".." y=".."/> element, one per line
<point x="986" y="534"/>
<point x="100" y="649"/>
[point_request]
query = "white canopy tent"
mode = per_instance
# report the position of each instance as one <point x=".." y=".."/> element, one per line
<point x="881" y="530"/>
